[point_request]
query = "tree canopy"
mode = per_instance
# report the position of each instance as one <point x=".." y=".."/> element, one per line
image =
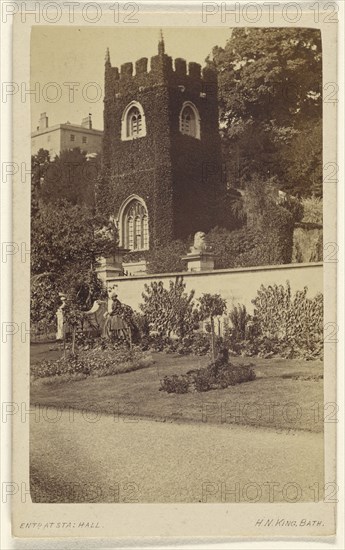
<point x="71" y="176"/>
<point x="66" y="241"/>
<point x="270" y="98"/>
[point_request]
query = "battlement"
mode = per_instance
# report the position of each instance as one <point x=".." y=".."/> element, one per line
<point x="162" y="69"/>
<point x="163" y="65"/>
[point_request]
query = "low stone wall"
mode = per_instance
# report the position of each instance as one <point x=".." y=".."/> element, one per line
<point x="236" y="286"/>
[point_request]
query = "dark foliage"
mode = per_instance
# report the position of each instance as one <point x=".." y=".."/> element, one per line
<point x="270" y="96"/>
<point x="71" y="176"/>
<point x="218" y="375"/>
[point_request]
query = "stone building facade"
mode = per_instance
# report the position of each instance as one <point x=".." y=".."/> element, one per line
<point x="161" y="150"/>
<point x="66" y="136"/>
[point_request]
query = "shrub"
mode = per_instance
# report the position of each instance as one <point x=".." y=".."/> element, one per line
<point x="267" y="240"/>
<point x="170" y="311"/>
<point x="274" y="239"/>
<point x="174" y="384"/>
<point x="202" y="380"/>
<point x="294" y="322"/>
<point x="142" y="324"/>
<point x="239" y="319"/>
<point x="200" y="343"/>
<point x="218" y="375"/>
<point x="197" y="343"/>
<point x="312" y="210"/>
<point x="157" y="342"/>
<point x="272" y="223"/>
<point x="230" y="208"/>
<point x="294" y="206"/>
<point x="44" y="302"/>
<point x="227" y="245"/>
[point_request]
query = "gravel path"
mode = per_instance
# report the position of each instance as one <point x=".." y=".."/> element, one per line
<point x="77" y="459"/>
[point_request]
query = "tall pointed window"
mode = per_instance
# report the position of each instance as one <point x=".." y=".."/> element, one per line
<point x="134" y="229"/>
<point x="190" y="120"/>
<point x="133" y="123"/>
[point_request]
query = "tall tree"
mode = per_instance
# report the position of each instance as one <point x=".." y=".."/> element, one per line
<point x="66" y="241"/>
<point x="72" y="177"/>
<point x="270" y="85"/>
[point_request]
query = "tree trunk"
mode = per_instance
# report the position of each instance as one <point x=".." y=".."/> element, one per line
<point x="213" y="351"/>
<point x="73" y="340"/>
<point x="64" y="340"/>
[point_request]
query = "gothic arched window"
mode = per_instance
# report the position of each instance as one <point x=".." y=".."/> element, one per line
<point x="190" y="120"/>
<point x="133" y="122"/>
<point x="133" y="224"/>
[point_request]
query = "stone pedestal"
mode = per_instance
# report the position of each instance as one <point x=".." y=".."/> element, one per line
<point x="111" y="266"/>
<point x="199" y="261"/>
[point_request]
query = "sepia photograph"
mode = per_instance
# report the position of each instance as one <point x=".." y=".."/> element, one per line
<point x="175" y="283"/>
<point x="176" y="266"/>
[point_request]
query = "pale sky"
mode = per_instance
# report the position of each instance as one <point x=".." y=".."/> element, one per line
<point x="70" y="54"/>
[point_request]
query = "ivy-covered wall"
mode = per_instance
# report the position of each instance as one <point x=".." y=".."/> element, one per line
<point x="178" y="176"/>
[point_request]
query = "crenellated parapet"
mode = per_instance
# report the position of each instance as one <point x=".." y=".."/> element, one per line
<point x="161" y="70"/>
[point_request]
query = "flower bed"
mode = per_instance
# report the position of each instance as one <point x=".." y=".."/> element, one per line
<point x="95" y="361"/>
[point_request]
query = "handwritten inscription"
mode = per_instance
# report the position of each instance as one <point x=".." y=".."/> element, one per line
<point x="60" y="525"/>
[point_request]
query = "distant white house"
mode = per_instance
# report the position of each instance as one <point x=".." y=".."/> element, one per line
<point x="66" y="136"/>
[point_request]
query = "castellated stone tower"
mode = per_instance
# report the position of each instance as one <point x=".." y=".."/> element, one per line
<point x="161" y="150"/>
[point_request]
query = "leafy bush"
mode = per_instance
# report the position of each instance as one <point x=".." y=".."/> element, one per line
<point x="283" y="324"/>
<point x="200" y="344"/>
<point x="294" y="322"/>
<point x="201" y="380"/>
<point x="197" y="343"/>
<point x="312" y="210"/>
<point x="294" y="206"/>
<point x="273" y="224"/>
<point x="273" y="242"/>
<point x="218" y="375"/>
<point x="174" y="384"/>
<point x="230" y="208"/>
<point x="142" y="324"/>
<point x="227" y="245"/>
<point x="44" y="302"/>
<point x="170" y="311"/>
<point x="157" y="342"/>
<point x="239" y="319"/>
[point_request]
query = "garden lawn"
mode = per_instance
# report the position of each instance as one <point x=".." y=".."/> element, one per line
<point x="49" y="350"/>
<point x="287" y="394"/>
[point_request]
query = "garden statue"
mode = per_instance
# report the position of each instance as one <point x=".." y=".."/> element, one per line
<point x="199" y="244"/>
<point x="60" y="319"/>
<point x="200" y="256"/>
